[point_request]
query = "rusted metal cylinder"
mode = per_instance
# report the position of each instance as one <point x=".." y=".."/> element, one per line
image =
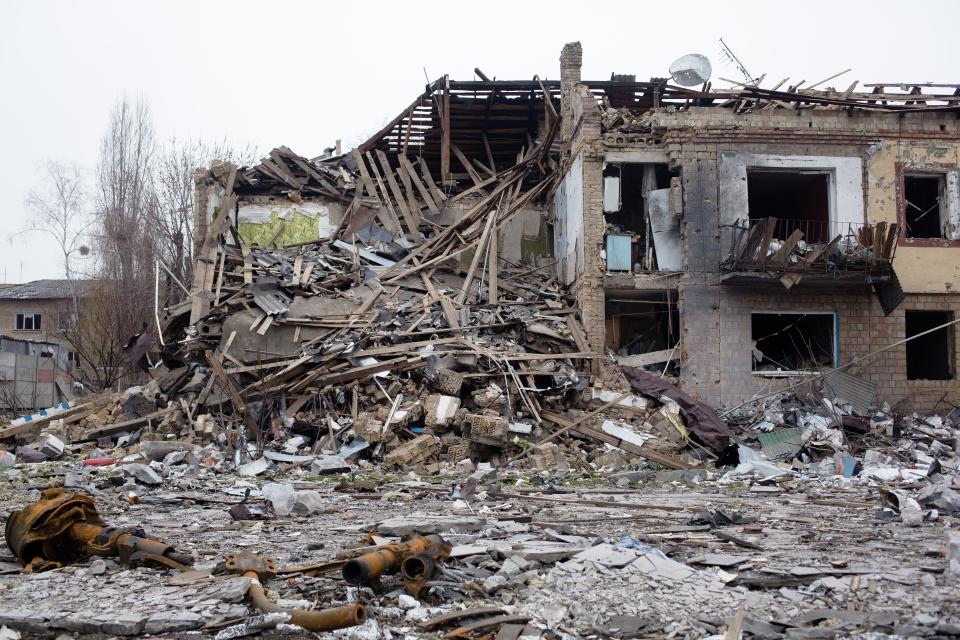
<point x="416" y="571"/>
<point x="387" y="558"/>
<point x="320" y="620"/>
<point x="64" y="526"/>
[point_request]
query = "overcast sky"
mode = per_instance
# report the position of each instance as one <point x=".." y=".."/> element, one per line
<point x="303" y="74"/>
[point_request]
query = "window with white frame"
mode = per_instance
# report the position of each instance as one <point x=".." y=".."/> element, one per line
<point x="27" y="322"/>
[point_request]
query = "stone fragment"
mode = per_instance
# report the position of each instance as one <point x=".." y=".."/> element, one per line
<point x="413" y="451"/>
<point x="329" y="464"/>
<point x="143" y="474"/>
<point x="426" y="524"/>
<point x="281" y="496"/>
<point x="52" y="447"/>
<point x="308" y="502"/>
<point x="168" y="621"/>
<point x="440" y="410"/>
<point x="446" y="381"/>
<point x="952" y="571"/>
<point x="407" y="602"/>
<point x="123" y="624"/>
<point x="486" y="429"/>
<point x="254" y="468"/>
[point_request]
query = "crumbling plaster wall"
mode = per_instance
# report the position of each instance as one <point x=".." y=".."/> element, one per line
<point x="921" y="269"/>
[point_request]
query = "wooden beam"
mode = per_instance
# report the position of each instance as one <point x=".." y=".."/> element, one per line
<point x="412" y="220"/>
<point x="493" y="267"/>
<point x="438" y="195"/>
<point x="765" y="242"/>
<point x="422" y="188"/>
<point x="384" y="197"/>
<point x="644" y="359"/>
<point x="445" y="132"/>
<point x="481" y="245"/>
<point x="467" y="165"/>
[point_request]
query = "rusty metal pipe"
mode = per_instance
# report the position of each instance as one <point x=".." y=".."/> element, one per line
<point x="64" y="526"/>
<point x="387" y="558"/>
<point x="320" y="620"/>
<point x="416" y="571"/>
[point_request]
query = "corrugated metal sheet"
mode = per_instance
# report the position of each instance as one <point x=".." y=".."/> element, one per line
<point x="889" y="292"/>
<point x="782" y="444"/>
<point x="858" y="392"/>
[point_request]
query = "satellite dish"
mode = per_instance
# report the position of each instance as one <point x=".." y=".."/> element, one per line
<point x="691" y="69"/>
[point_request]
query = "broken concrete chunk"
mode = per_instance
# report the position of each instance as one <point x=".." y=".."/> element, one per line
<point x="281" y="496"/>
<point x="415" y="450"/>
<point x="52" y="447"/>
<point x="254" y="468"/>
<point x="440" y="410"/>
<point x="143" y="474"/>
<point x="426" y="524"/>
<point x="487" y="429"/>
<point x="446" y="381"/>
<point x="329" y="464"/>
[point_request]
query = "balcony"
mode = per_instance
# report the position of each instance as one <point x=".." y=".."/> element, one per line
<point x="791" y="250"/>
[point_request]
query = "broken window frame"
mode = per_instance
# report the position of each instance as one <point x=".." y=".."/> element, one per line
<point x="20" y="321"/>
<point x="949" y="208"/>
<point x="612" y="194"/>
<point x="786" y="373"/>
<point x="948" y="316"/>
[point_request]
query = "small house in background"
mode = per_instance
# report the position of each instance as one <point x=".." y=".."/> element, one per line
<point x="37" y="365"/>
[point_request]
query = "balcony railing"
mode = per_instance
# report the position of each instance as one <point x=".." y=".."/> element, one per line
<point x="805" y="246"/>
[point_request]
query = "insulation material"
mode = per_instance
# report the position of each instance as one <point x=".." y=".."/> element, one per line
<point x="569" y="223"/>
<point x="301" y="222"/>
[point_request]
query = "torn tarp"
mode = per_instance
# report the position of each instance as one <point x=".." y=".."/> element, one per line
<point x="701" y="419"/>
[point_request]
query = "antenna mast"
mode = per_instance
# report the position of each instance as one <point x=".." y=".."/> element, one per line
<point x="728" y="53"/>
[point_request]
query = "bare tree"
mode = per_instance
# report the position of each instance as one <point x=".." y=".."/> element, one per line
<point x="57" y="210"/>
<point x="119" y="300"/>
<point x="124" y="193"/>
<point x="172" y="213"/>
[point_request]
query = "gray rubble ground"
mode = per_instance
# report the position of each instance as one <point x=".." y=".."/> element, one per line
<point x="558" y="563"/>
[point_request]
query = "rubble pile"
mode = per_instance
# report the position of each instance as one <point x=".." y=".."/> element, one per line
<point x="392" y="435"/>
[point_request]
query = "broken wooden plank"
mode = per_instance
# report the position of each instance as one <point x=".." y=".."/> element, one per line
<point x="646" y="359"/>
<point x="239" y="406"/>
<point x="493" y="264"/>
<point x="779" y="259"/>
<point x="412" y="221"/>
<point x="468" y="280"/>
<point x="438" y="195"/>
<point x="418" y="183"/>
<point x="771" y="224"/>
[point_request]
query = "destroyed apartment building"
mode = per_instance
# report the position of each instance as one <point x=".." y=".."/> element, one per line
<point x="738" y="239"/>
<point x="539" y="359"/>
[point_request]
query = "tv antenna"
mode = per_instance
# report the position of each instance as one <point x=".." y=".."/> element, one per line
<point x="728" y="54"/>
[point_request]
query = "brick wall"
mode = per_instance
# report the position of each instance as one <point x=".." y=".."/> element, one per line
<point x="47" y="309"/>
<point x="716" y="364"/>
<point x="863" y="330"/>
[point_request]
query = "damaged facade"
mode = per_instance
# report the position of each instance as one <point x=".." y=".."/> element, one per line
<point x="757" y="235"/>
<point x="738" y="240"/>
